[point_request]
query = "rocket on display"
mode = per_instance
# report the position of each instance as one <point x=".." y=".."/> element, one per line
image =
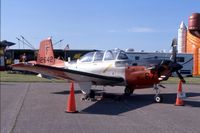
<point x="182" y="38"/>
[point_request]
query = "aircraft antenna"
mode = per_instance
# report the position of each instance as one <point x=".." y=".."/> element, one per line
<point x="18" y="41"/>
<point x="22" y="41"/>
<point x="58" y="42"/>
<point x="27" y="42"/>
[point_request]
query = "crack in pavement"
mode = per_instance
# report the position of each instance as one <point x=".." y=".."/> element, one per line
<point x="19" y="108"/>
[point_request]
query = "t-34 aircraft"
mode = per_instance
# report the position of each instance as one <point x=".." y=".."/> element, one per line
<point x="107" y="68"/>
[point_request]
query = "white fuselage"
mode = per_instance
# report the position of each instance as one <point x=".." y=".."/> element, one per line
<point x="106" y="68"/>
<point x="102" y="64"/>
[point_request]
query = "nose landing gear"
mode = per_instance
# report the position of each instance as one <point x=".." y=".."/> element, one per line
<point x="157" y="98"/>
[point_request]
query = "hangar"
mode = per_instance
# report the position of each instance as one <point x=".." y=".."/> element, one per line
<point x="14" y="55"/>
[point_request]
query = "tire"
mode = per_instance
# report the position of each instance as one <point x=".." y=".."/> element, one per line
<point x="92" y="94"/>
<point x="128" y="91"/>
<point x="158" y="99"/>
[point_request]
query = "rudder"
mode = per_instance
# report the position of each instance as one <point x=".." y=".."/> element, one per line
<point x="45" y="54"/>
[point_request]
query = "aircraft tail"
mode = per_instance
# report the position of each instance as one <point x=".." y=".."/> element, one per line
<point x="45" y="54"/>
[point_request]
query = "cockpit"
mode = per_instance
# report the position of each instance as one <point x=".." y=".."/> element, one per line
<point x="104" y="56"/>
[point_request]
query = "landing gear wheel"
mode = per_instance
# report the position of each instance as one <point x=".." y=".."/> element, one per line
<point x="158" y="98"/>
<point x="84" y="97"/>
<point x="89" y="97"/>
<point x="92" y="94"/>
<point x="128" y="91"/>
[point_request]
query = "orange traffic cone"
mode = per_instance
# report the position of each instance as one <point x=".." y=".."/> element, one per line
<point x="179" y="101"/>
<point x="71" y="106"/>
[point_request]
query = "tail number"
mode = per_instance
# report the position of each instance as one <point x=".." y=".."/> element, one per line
<point x="46" y="59"/>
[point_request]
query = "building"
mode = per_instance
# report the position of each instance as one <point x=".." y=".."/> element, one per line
<point x="193" y="41"/>
<point x="70" y="54"/>
<point x="189" y="40"/>
<point x="182" y="58"/>
<point x="3" y="60"/>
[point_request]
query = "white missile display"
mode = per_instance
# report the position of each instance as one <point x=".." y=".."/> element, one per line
<point x="182" y="38"/>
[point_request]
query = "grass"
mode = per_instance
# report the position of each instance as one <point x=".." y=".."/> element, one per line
<point x="189" y="80"/>
<point x="7" y="76"/>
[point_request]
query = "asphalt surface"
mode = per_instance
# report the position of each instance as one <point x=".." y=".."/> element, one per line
<point x="40" y="108"/>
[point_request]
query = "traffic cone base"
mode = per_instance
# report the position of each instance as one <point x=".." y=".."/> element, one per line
<point x="71" y="104"/>
<point x="71" y="111"/>
<point x="179" y="102"/>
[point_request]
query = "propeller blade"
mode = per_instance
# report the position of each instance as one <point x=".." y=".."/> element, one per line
<point x="174" y="42"/>
<point x="180" y="77"/>
<point x="174" y="50"/>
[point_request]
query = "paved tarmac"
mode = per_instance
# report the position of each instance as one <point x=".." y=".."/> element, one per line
<point x="40" y="108"/>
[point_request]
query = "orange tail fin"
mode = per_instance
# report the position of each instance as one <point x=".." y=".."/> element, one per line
<point x="45" y="54"/>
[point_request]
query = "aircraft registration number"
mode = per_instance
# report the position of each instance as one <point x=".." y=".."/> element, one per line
<point x="46" y="59"/>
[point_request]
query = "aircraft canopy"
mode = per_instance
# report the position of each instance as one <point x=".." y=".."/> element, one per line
<point x="104" y="56"/>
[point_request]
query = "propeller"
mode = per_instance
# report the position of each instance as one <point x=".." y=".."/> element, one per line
<point x="176" y="66"/>
<point x="172" y="64"/>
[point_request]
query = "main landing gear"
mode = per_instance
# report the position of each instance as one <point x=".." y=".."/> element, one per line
<point x="157" y="98"/>
<point x="90" y="96"/>
<point x="128" y="91"/>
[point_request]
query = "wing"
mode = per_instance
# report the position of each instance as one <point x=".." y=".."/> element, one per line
<point x="78" y="76"/>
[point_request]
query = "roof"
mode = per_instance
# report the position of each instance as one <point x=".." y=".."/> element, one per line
<point x="5" y="43"/>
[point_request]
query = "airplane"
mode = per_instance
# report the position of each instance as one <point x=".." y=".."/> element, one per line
<point x="105" y="68"/>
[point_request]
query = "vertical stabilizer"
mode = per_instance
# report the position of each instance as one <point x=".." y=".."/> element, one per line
<point x="45" y="54"/>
